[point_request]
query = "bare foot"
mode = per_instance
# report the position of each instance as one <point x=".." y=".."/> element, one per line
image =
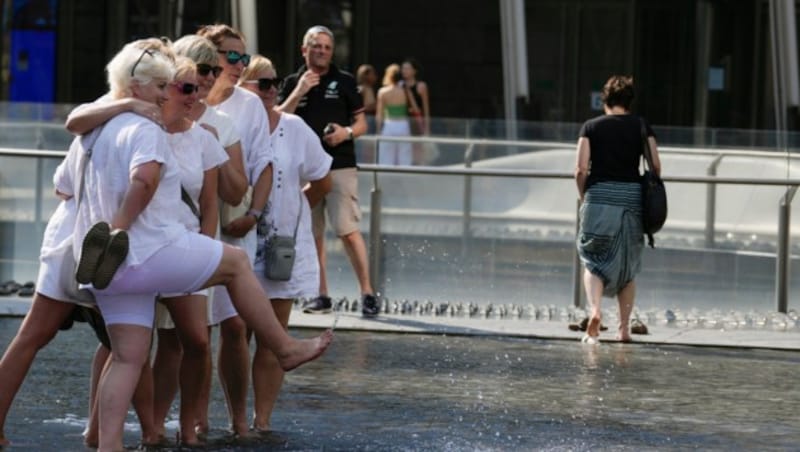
<point x="305" y="350"/>
<point x="593" y="327"/>
<point x="190" y="441"/>
<point x="623" y="335"/>
<point x="201" y="430"/>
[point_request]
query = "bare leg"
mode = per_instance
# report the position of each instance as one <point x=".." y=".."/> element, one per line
<point x="130" y="345"/>
<point x="594" y="293"/>
<point x="319" y="242"/>
<point x="98" y="364"/>
<point x="233" y="366"/>
<point x="267" y="372"/>
<point x="625" y="299"/>
<point x="357" y="252"/>
<point x="143" y="403"/>
<point x="190" y="317"/>
<point x="37" y="330"/>
<point x="201" y="424"/>
<point x="166" y="369"/>
<point x="252" y="304"/>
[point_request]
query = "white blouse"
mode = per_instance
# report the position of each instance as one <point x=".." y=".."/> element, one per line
<point x="298" y="159"/>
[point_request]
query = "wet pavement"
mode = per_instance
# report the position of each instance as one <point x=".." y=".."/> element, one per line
<point x="426" y="382"/>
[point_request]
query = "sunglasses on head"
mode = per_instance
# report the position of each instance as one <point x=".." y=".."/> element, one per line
<point x="264" y="84"/>
<point x="234" y="57"/>
<point x="139" y="60"/>
<point x="205" y="69"/>
<point x="186" y="88"/>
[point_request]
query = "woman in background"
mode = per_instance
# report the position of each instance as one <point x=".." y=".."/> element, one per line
<point x="391" y="118"/>
<point x="610" y="240"/>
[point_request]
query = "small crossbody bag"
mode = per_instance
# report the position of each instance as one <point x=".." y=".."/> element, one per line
<point x="279" y="252"/>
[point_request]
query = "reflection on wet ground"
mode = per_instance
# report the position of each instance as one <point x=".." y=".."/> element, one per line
<point x="419" y="392"/>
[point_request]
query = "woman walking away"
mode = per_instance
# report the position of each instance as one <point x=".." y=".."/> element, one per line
<point x="611" y="237"/>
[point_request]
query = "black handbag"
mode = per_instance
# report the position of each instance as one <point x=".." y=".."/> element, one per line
<point x="654" y="194"/>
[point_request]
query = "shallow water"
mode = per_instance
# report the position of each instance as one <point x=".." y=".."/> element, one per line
<point x="376" y="391"/>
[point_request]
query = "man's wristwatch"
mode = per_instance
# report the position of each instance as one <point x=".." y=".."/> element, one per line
<point x="349" y="133"/>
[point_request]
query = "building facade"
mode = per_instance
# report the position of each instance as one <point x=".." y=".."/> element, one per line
<point x="703" y="63"/>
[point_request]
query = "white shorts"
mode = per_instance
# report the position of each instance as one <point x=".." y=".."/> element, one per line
<point x="182" y="266"/>
<point x="393" y="152"/>
<point x="221" y="305"/>
<point x="48" y="282"/>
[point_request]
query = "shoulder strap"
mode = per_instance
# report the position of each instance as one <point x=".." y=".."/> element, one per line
<point x="85" y="158"/>
<point x="187" y="198"/>
<point x="299" y="212"/>
<point x="648" y="157"/>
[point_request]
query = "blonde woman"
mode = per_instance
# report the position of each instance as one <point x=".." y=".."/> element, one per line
<point x="391" y="118"/>
<point x="302" y="178"/>
<point x="133" y="183"/>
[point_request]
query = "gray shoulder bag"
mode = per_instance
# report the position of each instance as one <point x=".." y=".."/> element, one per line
<point x="279" y="252"/>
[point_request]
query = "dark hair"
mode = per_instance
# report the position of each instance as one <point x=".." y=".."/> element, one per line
<point x="414" y="63"/>
<point x="618" y="91"/>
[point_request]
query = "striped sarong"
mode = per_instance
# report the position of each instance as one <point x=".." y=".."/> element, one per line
<point x="611" y="238"/>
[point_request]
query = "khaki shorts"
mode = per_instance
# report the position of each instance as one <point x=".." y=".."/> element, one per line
<point x="341" y="203"/>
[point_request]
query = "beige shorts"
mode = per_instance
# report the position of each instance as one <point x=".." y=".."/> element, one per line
<point x="341" y="203"/>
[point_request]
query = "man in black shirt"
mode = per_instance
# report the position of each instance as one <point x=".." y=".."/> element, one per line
<point x="329" y="102"/>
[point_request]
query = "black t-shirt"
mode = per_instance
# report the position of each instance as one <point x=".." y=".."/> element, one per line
<point x="335" y="99"/>
<point x="616" y="147"/>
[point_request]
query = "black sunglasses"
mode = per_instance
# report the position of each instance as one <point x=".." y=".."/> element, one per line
<point x="186" y="88"/>
<point x="264" y="84"/>
<point x="205" y="69"/>
<point x="234" y="57"/>
<point x="139" y="60"/>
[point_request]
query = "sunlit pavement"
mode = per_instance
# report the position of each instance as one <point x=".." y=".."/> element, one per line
<point x="659" y="333"/>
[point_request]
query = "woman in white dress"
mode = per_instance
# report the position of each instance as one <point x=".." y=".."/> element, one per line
<point x="132" y="182"/>
<point x="300" y="180"/>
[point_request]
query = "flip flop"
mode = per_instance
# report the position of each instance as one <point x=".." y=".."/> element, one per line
<point x="114" y="255"/>
<point x="92" y="249"/>
<point x="583" y="324"/>
<point x="637" y="327"/>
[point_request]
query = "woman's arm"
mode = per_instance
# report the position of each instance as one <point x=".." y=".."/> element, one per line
<point x="582" y="165"/>
<point x="239" y="227"/>
<point x="317" y="189"/>
<point x="86" y="117"/>
<point x="143" y="184"/>
<point x="379" y="110"/>
<point x="232" y="179"/>
<point x="654" y="155"/>
<point x="209" y="212"/>
<point x="422" y="89"/>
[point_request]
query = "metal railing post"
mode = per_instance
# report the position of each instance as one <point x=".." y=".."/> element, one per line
<point x="783" y="260"/>
<point x="577" y="294"/>
<point x="376" y="270"/>
<point x="466" y="228"/>
<point x="711" y="202"/>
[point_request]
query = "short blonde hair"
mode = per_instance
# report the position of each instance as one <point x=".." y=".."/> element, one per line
<point x="184" y="66"/>
<point x="201" y="50"/>
<point x="257" y="64"/>
<point x="139" y="62"/>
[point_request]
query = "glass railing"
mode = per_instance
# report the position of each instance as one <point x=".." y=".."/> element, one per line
<point x="518" y="245"/>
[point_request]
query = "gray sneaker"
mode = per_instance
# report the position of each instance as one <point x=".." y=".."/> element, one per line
<point x="319" y="305"/>
<point x="370" y="306"/>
